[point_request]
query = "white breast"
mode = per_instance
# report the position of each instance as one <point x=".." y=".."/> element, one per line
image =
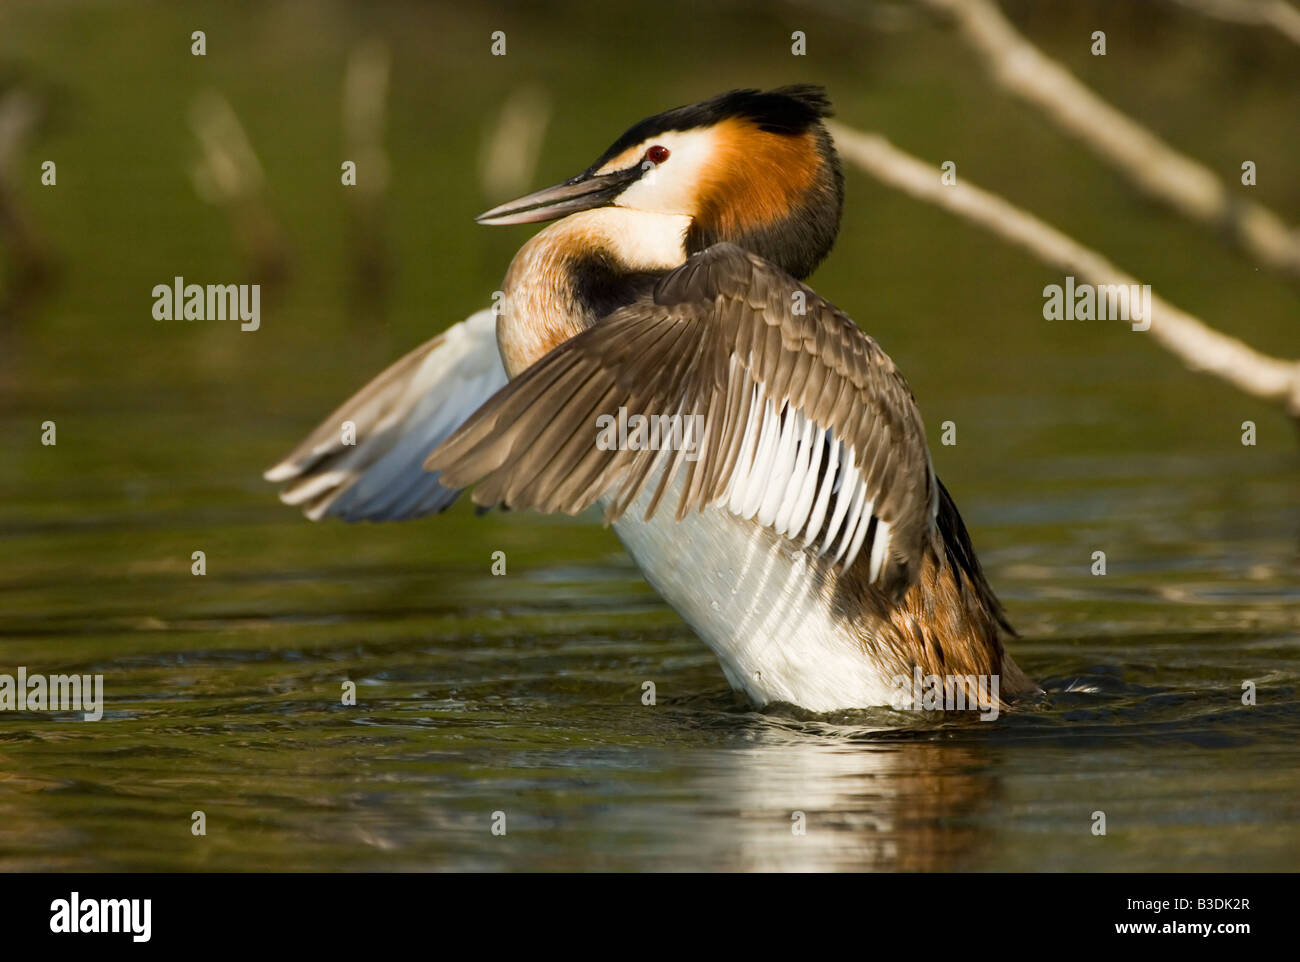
<point x="754" y="599"/>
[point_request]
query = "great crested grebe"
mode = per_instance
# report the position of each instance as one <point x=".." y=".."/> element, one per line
<point x="796" y="524"/>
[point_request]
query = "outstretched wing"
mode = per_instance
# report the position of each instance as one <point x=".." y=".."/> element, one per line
<point x="803" y="424"/>
<point x="398" y="418"/>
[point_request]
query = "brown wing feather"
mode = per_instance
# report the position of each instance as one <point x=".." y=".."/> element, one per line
<point x="718" y="337"/>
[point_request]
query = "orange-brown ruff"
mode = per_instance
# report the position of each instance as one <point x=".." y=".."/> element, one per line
<point x="755" y="179"/>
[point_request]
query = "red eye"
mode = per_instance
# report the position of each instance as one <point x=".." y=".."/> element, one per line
<point x="657" y="154"/>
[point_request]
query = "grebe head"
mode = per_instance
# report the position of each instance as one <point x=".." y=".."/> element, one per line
<point x="753" y="168"/>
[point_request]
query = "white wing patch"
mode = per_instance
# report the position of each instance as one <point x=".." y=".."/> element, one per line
<point x="796" y="478"/>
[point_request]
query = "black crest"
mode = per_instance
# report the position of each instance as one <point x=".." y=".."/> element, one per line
<point x="785" y="110"/>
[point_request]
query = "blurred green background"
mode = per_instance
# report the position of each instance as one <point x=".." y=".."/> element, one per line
<point x="960" y="313"/>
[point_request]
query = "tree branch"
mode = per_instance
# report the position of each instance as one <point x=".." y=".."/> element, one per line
<point x="1199" y="346"/>
<point x="1278" y="14"/>
<point x="1154" y="167"/>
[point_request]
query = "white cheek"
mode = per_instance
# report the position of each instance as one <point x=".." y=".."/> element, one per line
<point x="671" y="187"/>
<point x="658" y="190"/>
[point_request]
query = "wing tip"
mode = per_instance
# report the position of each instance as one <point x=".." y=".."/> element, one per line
<point x="315" y="512"/>
<point x="283" y="471"/>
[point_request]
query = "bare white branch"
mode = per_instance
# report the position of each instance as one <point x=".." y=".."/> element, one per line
<point x="1199" y="346"/>
<point x="1278" y="14"/>
<point x="511" y="150"/>
<point x="229" y="175"/>
<point x="365" y="96"/>
<point x="1154" y="167"/>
